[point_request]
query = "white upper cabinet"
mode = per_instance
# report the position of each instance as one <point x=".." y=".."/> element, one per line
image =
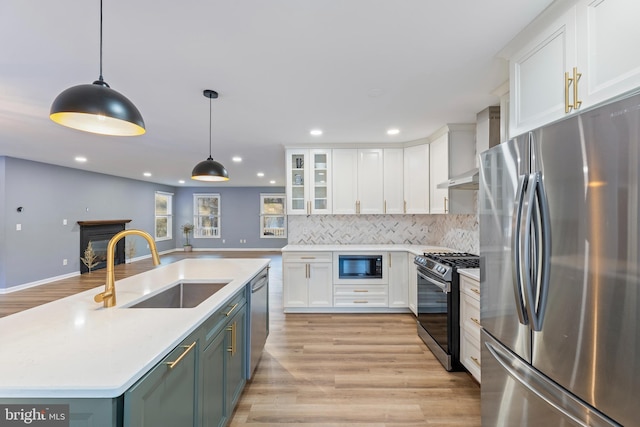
<point x="370" y="181"/>
<point x="416" y="179"/>
<point x="608" y="35"/>
<point x="537" y="76"/>
<point x="345" y="181"/>
<point x="573" y="61"/>
<point x="308" y="182"/>
<point x="439" y="169"/>
<point x="393" y="187"/>
<point x="358" y="181"/>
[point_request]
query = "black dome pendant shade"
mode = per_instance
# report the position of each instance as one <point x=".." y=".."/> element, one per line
<point x="210" y="170"/>
<point x="97" y="108"/>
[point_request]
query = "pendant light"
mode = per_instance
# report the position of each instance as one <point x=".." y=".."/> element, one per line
<point x="97" y="108"/>
<point x="209" y="170"/>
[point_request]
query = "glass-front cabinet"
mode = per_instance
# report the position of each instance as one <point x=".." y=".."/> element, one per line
<point x="308" y="182"/>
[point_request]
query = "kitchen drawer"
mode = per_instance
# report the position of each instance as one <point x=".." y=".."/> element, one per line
<point x="361" y="290"/>
<point x="216" y="322"/>
<point x="307" y="257"/>
<point x="470" y="354"/>
<point x="361" y="300"/>
<point x="470" y="315"/>
<point x="470" y="287"/>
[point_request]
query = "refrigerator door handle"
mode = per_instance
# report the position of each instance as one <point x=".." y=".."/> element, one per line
<point x="526" y="376"/>
<point x="544" y="253"/>
<point x="516" y="259"/>
<point x="525" y="240"/>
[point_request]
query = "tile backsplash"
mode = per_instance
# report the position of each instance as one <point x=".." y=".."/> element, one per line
<point x="458" y="232"/>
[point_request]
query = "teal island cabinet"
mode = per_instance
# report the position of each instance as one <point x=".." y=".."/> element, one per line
<point x="122" y="379"/>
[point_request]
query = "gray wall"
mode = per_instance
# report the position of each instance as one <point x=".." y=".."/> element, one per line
<point x="239" y="219"/>
<point x="48" y="194"/>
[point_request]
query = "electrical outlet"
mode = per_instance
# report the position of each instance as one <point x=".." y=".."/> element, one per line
<point x="18" y="227"/>
<point x="64" y="222"/>
<point x="64" y="261"/>
<point x="222" y="240"/>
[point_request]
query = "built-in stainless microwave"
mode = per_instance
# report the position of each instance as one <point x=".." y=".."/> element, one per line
<point x="359" y="268"/>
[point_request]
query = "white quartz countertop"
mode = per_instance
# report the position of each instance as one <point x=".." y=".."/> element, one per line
<point x="76" y="348"/>
<point x="414" y="249"/>
<point x="473" y="273"/>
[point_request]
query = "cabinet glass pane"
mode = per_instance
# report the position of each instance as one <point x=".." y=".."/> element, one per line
<point x="320" y="176"/>
<point x="297" y="204"/>
<point x="297" y="161"/>
<point x="297" y="192"/>
<point x="320" y="161"/>
<point x="320" y="193"/>
<point x="321" y="203"/>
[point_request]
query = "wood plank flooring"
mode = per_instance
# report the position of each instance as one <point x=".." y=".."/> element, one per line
<point x="355" y="370"/>
<point x="323" y="370"/>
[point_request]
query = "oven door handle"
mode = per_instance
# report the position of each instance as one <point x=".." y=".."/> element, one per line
<point x="445" y="287"/>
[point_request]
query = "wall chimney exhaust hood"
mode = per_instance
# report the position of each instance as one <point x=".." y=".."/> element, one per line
<point x="487" y="136"/>
<point x="465" y="181"/>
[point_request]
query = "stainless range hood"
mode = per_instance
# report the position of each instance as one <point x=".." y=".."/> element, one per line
<point x="465" y="181"/>
<point x="487" y="136"/>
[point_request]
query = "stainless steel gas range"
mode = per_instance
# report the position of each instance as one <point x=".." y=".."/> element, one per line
<point x="439" y="303"/>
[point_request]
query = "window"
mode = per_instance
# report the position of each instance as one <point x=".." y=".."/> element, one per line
<point x="273" y="218"/>
<point x="206" y="215"/>
<point x="164" y="215"/>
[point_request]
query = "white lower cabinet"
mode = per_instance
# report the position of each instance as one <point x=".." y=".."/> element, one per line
<point x="470" y="325"/>
<point x="398" y="280"/>
<point x="307" y="279"/>
<point x="412" y="284"/>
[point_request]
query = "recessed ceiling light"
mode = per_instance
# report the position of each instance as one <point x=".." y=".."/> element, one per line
<point x="147" y="174"/>
<point x="236" y="159"/>
<point x="260" y="174"/>
<point x="272" y="182"/>
<point x="316" y="132"/>
<point x="81" y="159"/>
<point x="393" y="131"/>
<point x="181" y="181"/>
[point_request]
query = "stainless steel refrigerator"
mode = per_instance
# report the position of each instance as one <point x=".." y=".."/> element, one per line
<point x="559" y="209"/>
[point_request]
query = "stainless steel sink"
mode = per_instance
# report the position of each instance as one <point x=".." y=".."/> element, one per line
<point x="181" y="295"/>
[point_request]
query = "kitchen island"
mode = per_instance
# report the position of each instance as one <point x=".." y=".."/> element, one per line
<point x="74" y="350"/>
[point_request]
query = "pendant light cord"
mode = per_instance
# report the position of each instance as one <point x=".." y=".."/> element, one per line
<point x="210" y="158"/>
<point x="100" y="78"/>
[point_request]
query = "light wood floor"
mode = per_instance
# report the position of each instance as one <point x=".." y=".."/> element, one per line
<point x="329" y="370"/>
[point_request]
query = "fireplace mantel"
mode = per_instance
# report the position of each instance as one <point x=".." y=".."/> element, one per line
<point x="104" y="222"/>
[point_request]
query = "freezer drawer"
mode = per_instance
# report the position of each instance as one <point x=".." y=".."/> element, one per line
<point x="515" y="394"/>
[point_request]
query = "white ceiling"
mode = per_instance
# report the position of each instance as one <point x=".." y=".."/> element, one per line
<point x="353" y="68"/>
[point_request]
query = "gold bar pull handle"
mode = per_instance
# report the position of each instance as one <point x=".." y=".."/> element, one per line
<point x="446" y="208"/>
<point x="360" y="290"/>
<point x="476" y="321"/>
<point x="476" y="361"/>
<point x="404" y="206"/>
<point x="475" y="290"/>
<point x="231" y="311"/>
<point x="360" y="301"/>
<point x="384" y="210"/>
<point x="233" y="331"/>
<point x="576" y="77"/>
<point x="187" y="348"/>
<point x="567" y="82"/>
